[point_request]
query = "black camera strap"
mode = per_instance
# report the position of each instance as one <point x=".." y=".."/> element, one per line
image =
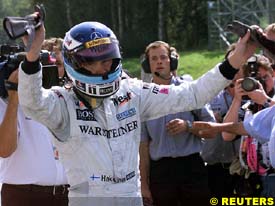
<point x="10" y="85"/>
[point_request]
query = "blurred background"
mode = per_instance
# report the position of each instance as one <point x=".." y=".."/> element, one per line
<point x="195" y="27"/>
<point x="186" y="24"/>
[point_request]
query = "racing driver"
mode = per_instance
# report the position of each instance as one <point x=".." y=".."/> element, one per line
<point x="96" y="119"/>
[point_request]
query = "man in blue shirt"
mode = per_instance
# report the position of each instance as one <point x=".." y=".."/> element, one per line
<point x="172" y="171"/>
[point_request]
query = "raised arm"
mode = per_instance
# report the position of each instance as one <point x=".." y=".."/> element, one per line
<point x="45" y="106"/>
<point x="195" y="94"/>
<point x="232" y="114"/>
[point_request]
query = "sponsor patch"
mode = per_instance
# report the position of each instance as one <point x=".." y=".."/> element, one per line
<point x="110" y="133"/>
<point x="128" y="113"/>
<point x="164" y="91"/>
<point x="97" y="41"/>
<point x="85" y="115"/>
<point x="106" y="90"/>
<point x="120" y="100"/>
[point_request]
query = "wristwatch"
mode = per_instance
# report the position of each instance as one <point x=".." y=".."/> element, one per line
<point x="189" y="125"/>
<point x="267" y="103"/>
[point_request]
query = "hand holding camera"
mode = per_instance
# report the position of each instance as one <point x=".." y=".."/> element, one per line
<point x="256" y="36"/>
<point x="250" y="84"/>
<point x="19" y="26"/>
<point x="30" y="27"/>
<point x="252" y="89"/>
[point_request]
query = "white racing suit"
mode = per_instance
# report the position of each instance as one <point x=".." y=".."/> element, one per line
<point x="99" y="148"/>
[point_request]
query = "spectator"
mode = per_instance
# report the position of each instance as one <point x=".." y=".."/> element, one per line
<point x="172" y="171"/>
<point x="270" y="31"/>
<point x="54" y="45"/>
<point x="30" y="172"/>
<point x="257" y="167"/>
<point x="97" y="121"/>
<point x="259" y="126"/>
<point x="146" y="75"/>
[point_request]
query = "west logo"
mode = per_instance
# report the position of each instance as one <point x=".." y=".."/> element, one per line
<point x="120" y="100"/>
<point x="85" y="115"/>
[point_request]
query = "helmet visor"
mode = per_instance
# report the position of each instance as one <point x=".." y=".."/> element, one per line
<point x="98" y="50"/>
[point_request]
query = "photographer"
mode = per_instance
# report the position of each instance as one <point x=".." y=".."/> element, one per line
<point x="261" y="178"/>
<point x="54" y="45"/>
<point x="256" y="175"/>
<point x="31" y="173"/>
<point x="97" y="121"/>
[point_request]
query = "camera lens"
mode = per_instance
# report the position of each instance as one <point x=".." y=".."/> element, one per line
<point x="249" y="84"/>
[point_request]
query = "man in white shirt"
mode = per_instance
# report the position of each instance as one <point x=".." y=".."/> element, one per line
<point x="29" y="168"/>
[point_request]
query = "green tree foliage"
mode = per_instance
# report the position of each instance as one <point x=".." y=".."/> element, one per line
<point x="141" y="26"/>
<point x="186" y="23"/>
<point x="12" y="8"/>
<point x="56" y="22"/>
<point x="135" y="22"/>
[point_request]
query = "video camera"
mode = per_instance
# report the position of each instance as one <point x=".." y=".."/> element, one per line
<point x="9" y="61"/>
<point x="6" y="49"/>
<point x="10" y="58"/>
<point x="16" y="27"/>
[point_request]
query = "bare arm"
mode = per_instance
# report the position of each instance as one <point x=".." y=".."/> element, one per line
<point x="8" y="127"/>
<point x="233" y="127"/>
<point x="207" y="129"/>
<point x="232" y="114"/>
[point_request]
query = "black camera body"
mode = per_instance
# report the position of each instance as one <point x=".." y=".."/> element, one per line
<point x="10" y="58"/>
<point x="249" y="84"/>
<point x="9" y="61"/>
<point x="7" y="49"/>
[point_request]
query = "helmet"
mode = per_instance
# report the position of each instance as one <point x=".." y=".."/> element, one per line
<point x="87" y="42"/>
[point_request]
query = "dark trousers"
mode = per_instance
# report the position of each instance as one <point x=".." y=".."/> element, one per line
<point x="179" y="181"/>
<point x="221" y="183"/>
<point x="34" y="195"/>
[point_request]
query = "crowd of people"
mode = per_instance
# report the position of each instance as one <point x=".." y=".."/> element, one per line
<point x="105" y="138"/>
